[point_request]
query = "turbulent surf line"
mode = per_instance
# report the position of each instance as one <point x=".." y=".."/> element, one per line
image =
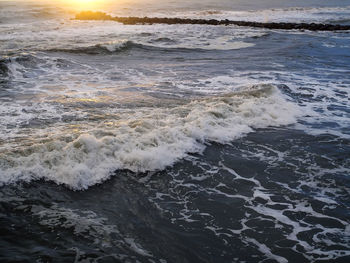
<point x="97" y="49"/>
<point x="89" y="15"/>
<point x="120" y="46"/>
<point x="150" y="140"/>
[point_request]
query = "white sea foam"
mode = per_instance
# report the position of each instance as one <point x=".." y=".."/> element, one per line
<point x="265" y="250"/>
<point x="275" y="212"/>
<point x="137" y="247"/>
<point x="83" y="223"/>
<point x="113" y="46"/>
<point x="323" y="99"/>
<point x="147" y="140"/>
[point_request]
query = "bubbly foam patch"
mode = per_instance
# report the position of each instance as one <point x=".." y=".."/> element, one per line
<point x="147" y="140"/>
<point x="83" y="223"/>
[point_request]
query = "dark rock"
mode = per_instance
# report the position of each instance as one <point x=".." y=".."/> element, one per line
<point x="89" y="15"/>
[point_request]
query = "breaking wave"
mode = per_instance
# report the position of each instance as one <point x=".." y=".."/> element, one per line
<point x="106" y="48"/>
<point x="157" y="44"/>
<point x="147" y="140"/>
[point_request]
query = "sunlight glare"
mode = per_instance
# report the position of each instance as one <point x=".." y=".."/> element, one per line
<point x="84" y="4"/>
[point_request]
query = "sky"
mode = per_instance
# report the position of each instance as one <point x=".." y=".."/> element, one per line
<point x="191" y="4"/>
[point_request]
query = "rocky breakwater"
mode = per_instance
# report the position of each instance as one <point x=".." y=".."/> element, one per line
<point x="89" y="15"/>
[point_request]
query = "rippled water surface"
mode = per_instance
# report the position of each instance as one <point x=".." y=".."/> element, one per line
<point x="174" y="143"/>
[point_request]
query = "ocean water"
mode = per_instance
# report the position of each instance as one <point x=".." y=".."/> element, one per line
<point x="174" y="143"/>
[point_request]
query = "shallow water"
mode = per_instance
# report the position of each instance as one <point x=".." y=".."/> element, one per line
<point x="174" y="143"/>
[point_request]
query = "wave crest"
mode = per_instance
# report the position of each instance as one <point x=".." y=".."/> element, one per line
<point x="105" y="48"/>
<point x="150" y="140"/>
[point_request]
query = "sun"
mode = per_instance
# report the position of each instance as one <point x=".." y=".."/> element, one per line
<point x="84" y="4"/>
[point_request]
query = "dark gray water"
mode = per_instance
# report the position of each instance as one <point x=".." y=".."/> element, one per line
<point x="174" y="143"/>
